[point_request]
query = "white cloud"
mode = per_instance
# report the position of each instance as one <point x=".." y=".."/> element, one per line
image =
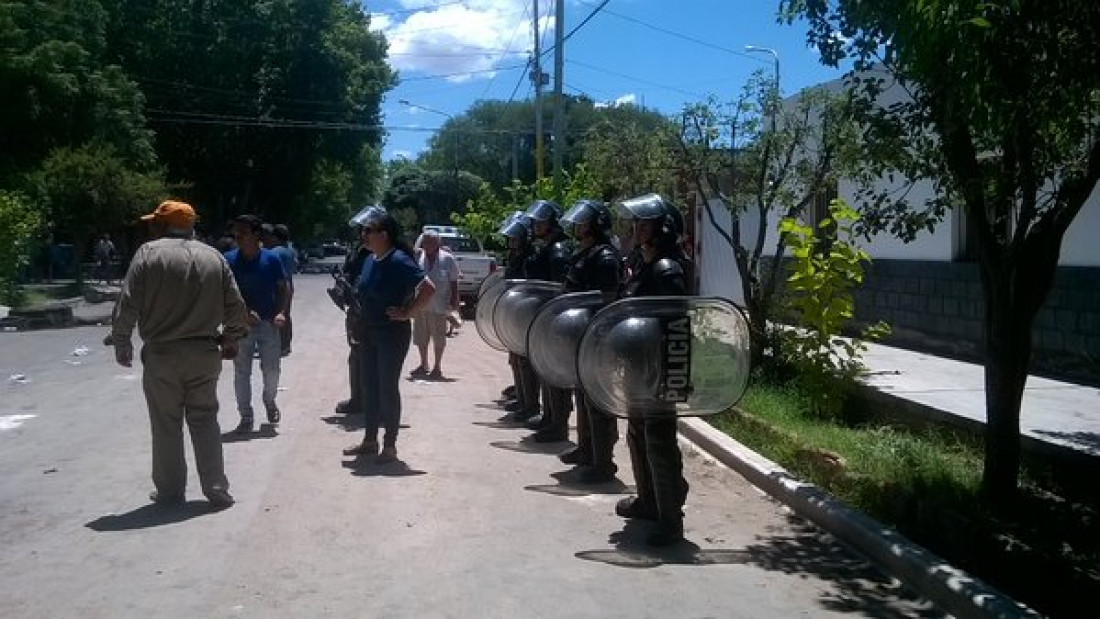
<point x="627" y="99"/>
<point x="462" y="40"/>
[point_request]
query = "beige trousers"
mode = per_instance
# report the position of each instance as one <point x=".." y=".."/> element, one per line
<point x="180" y="382"/>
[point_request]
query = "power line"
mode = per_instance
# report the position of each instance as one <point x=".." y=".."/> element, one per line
<point x="519" y="24"/>
<point x="638" y="79"/>
<point x="579" y="26"/>
<point x="672" y="33"/>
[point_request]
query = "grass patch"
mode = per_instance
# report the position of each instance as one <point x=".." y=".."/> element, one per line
<point x="1043" y="551"/>
<point x="39" y="295"/>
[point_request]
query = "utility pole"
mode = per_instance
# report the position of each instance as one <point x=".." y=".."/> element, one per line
<point x="559" y="98"/>
<point x="539" y="80"/>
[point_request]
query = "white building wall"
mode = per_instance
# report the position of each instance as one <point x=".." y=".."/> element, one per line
<point x="935" y="246"/>
<point x="1081" y="247"/>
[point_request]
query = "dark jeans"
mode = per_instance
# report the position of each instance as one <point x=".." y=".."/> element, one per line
<point x="597" y="432"/>
<point x="382" y="354"/>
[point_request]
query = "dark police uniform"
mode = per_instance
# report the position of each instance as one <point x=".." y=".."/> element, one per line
<point x="353" y="266"/>
<point x="654" y="452"/>
<point x="523" y="373"/>
<point x="550" y="262"/>
<point x="597" y="268"/>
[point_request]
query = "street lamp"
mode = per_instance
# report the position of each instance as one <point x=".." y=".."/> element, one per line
<point x="775" y="55"/>
<point x="454" y="131"/>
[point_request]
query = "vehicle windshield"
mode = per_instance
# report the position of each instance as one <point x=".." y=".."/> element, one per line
<point x="460" y="244"/>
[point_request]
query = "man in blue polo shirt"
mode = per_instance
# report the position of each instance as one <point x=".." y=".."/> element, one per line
<point x="266" y="291"/>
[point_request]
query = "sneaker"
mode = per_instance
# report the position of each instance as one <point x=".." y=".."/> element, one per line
<point x="387" y="455"/>
<point x="366" y="448"/>
<point x="244" y="427"/>
<point x="343" y="407"/>
<point x="574" y="456"/>
<point x="435" y="375"/>
<point x="420" y="372"/>
<point x="166" y="499"/>
<point x="220" y="498"/>
<point x="273" y="415"/>
<point x="633" y="508"/>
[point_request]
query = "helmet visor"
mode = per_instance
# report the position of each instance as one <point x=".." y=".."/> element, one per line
<point x="649" y="206"/>
<point x="515" y="225"/>
<point x="544" y="210"/>
<point x="366" y="215"/>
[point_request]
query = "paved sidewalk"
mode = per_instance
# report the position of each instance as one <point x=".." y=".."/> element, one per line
<point x="1057" y="417"/>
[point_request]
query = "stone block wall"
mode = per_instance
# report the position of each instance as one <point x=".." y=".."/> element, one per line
<point x="939" y="307"/>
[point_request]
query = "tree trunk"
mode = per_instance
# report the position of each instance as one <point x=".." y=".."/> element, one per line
<point x="1008" y="352"/>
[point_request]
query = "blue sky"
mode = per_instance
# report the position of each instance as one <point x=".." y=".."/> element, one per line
<point x="661" y="54"/>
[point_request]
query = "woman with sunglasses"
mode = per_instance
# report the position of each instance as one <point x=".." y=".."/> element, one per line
<point x="391" y="288"/>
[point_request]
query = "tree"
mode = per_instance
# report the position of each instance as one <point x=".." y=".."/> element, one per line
<point x="90" y="188"/>
<point x="1000" y="115"/>
<point x="19" y="225"/>
<point x="627" y="158"/>
<point x="260" y="106"/>
<point x="426" y="196"/>
<point x="776" y="169"/>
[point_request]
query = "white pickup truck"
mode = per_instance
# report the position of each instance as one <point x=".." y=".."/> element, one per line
<point x="474" y="264"/>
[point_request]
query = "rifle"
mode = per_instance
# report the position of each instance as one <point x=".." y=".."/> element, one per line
<point x="342" y="292"/>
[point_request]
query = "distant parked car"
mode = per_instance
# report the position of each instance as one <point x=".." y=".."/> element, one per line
<point x="334" y="248"/>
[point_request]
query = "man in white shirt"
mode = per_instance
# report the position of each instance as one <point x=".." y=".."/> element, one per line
<point x="440" y="267"/>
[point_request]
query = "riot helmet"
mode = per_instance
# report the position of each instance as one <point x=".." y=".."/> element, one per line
<point x="367" y="214"/>
<point x="544" y="210"/>
<point x="593" y="212"/>
<point x="516" y="225"/>
<point x="653" y="207"/>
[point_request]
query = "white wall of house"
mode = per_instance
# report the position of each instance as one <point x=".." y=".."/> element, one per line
<point x="1081" y="246"/>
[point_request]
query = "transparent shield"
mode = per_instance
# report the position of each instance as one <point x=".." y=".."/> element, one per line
<point x="490" y="281"/>
<point x="658" y="356"/>
<point x="516" y="309"/>
<point x="483" y="317"/>
<point x="555" y="334"/>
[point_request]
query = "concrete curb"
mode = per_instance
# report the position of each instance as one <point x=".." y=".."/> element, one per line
<point x="952" y="589"/>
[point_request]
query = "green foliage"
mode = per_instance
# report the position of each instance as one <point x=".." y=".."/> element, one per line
<point x="267" y="107"/>
<point x="993" y="105"/>
<point x="756" y="156"/>
<point x="485" y="213"/>
<point x="629" y="158"/>
<point x="90" y="188"/>
<point x="19" y="225"/>
<point x="826" y="267"/>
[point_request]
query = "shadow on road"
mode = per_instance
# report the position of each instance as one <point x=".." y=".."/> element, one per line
<point x="568" y="485"/>
<point x="151" y="515"/>
<point x="860" y="589"/>
<point x="265" y="431"/>
<point x="365" y="467"/>
<point x="352" y="422"/>
<point x="531" y="447"/>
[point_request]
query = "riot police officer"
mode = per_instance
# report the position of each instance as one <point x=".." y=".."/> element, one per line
<point x="660" y="268"/>
<point x="549" y="262"/>
<point x="516" y="229"/>
<point x="595" y="266"/>
<point x="352" y="267"/>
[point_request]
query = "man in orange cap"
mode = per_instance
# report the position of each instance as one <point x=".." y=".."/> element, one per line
<point x="181" y="295"/>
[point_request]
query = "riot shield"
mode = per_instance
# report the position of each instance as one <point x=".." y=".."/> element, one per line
<point x="665" y="356"/>
<point x="555" y="334"/>
<point x="516" y="309"/>
<point x="489" y="282"/>
<point x="483" y="317"/>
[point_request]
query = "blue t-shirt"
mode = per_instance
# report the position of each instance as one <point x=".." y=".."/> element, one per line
<point x="258" y="280"/>
<point x="389" y="281"/>
<point x="287" y="257"/>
